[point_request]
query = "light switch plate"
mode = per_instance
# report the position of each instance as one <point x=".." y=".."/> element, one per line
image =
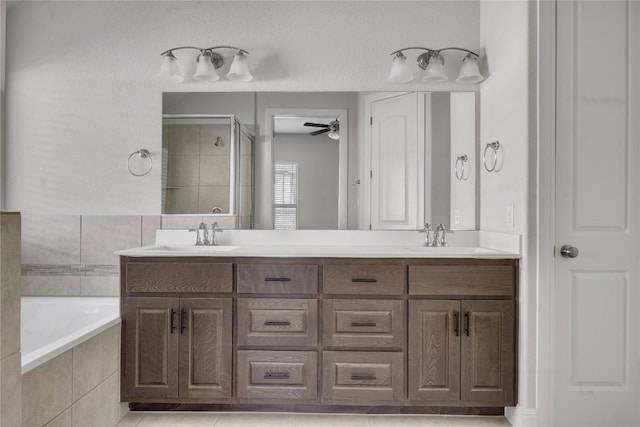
<point x="456" y="216"/>
<point x="510" y="220"/>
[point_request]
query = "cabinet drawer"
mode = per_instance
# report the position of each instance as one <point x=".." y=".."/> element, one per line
<point x="363" y="376"/>
<point x="277" y="279"/>
<point x="363" y="279"/>
<point x="462" y="280"/>
<point x="363" y="323"/>
<point x="277" y="374"/>
<point x="180" y="277"/>
<point x="287" y="322"/>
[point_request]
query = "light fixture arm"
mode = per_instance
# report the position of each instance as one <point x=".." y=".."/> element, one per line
<point x="435" y="50"/>
<point x="209" y="49"/>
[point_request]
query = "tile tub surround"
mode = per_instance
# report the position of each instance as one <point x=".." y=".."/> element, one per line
<point x="77" y="388"/>
<point x="142" y="419"/>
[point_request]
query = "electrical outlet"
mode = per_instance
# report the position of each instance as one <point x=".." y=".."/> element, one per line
<point x="456" y="217"/>
<point x="510" y="220"/>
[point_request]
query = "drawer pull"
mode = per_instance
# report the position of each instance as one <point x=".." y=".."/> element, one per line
<point x="276" y="323"/>
<point x="276" y="375"/>
<point x="363" y="324"/>
<point x="364" y="280"/>
<point x="277" y="279"/>
<point x="363" y="377"/>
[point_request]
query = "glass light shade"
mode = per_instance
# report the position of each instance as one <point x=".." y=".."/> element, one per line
<point x="400" y="71"/>
<point x="239" y="70"/>
<point x="170" y="69"/>
<point x="205" y="70"/>
<point x="334" y="135"/>
<point x="434" y="73"/>
<point x="469" y="72"/>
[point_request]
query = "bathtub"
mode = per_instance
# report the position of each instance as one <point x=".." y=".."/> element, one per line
<point x="52" y="325"/>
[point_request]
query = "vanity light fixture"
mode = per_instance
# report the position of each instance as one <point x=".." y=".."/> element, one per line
<point x="206" y="65"/>
<point x="432" y="62"/>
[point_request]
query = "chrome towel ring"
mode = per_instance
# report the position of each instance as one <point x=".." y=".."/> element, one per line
<point x="460" y="172"/>
<point x="490" y="166"/>
<point x="143" y="153"/>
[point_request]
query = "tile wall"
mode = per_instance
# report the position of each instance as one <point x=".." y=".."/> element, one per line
<point x="80" y="387"/>
<point x="72" y="255"/>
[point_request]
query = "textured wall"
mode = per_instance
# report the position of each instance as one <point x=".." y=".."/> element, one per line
<point x="82" y="91"/>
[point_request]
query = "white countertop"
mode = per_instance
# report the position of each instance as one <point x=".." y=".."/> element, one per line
<point x="331" y="244"/>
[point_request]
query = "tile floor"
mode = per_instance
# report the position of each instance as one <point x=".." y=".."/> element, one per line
<point x="203" y="419"/>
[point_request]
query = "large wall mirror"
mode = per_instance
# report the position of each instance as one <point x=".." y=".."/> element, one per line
<point x="322" y="160"/>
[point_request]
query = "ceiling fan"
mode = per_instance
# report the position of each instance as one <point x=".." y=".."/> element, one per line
<point x="333" y="129"/>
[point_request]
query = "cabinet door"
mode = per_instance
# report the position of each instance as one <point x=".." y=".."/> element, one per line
<point x="205" y="347"/>
<point x="434" y="350"/>
<point x="151" y="348"/>
<point x="488" y="351"/>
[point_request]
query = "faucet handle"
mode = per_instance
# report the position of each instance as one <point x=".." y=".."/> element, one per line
<point x="216" y="227"/>
<point x="201" y="235"/>
<point x="426" y="229"/>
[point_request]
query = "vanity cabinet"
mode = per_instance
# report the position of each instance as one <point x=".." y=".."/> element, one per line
<point x="178" y="347"/>
<point x="319" y="333"/>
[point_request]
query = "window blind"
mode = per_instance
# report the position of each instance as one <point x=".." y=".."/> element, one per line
<point x="285" y="196"/>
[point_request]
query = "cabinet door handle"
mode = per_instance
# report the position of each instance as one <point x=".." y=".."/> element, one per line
<point x="276" y="375"/>
<point x="276" y="323"/>
<point x="277" y="279"/>
<point x="183" y="320"/>
<point x="362" y="377"/>
<point x="172" y="326"/>
<point x="456" y="326"/>
<point x="466" y="323"/>
<point x="363" y="324"/>
<point x="356" y="280"/>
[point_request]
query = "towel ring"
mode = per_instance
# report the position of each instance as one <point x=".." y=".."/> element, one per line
<point x="143" y="153"/>
<point x="495" y="146"/>
<point x="460" y="173"/>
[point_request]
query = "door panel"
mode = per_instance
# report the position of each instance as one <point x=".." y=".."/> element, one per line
<point x="395" y="182"/>
<point x="205" y="347"/>
<point x="488" y="351"/>
<point x="434" y="350"/>
<point x="596" y="294"/>
<point x="151" y="348"/>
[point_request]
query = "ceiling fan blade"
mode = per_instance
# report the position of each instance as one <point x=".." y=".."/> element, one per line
<point x="319" y="132"/>
<point x="317" y="125"/>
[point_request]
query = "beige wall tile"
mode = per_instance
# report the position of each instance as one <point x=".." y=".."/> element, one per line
<point x="224" y="222"/>
<point x="62" y="420"/>
<point x="184" y="140"/>
<point x="100" y="407"/>
<point x="245" y="201"/>
<point x="182" y="200"/>
<point x="11" y="391"/>
<point x="101" y="235"/>
<point x="47" y="390"/>
<point x="99" y="286"/>
<point x="95" y="360"/>
<point x="50" y="285"/>
<point x="50" y="239"/>
<point x="210" y="197"/>
<point x="208" y="137"/>
<point x="182" y="171"/>
<point x="150" y="223"/>
<point x="245" y="170"/>
<point x="10" y="284"/>
<point x="181" y="223"/>
<point x="214" y="170"/>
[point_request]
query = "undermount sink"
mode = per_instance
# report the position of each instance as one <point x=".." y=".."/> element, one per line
<point x="191" y="248"/>
<point x="452" y="250"/>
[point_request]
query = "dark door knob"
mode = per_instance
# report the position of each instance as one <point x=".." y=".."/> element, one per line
<point x="568" y="251"/>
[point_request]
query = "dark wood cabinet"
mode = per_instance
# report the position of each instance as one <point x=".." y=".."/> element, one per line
<point x="177" y="347"/>
<point x="462" y="351"/>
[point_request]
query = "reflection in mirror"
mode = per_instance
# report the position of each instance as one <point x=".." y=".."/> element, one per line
<point x="395" y="169"/>
<point x="207" y="167"/>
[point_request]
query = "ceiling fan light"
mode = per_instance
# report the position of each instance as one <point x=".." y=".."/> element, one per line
<point x="170" y="69"/>
<point x="434" y="73"/>
<point x="239" y="70"/>
<point x="205" y="70"/>
<point x="469" y="72"/>
<point x="400" y="71"/>
<point x="334" y="134"/>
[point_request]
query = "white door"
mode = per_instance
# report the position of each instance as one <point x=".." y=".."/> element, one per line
<point x="396" y="161"/>
<point x="597" y="294"/>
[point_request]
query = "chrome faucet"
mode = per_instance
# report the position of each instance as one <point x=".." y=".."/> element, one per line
<point x="214" y="228"/>
<point x="441" y="241"/>
<point x="202" y="236"/>
<point x="428" y="240"/>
